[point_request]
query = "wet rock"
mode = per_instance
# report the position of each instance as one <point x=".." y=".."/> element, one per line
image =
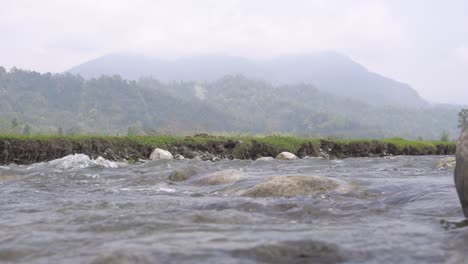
<point x="446" y="163"/>
<point x="159" y="154"/>
<point x="461" y="171"/>
<point x="208" y="156"/>
<point x="204" y="155"/>
<point x="221" y="177"/>
<point x="294" y="185"/>
<point x="324" y="154"/>
<point x="12" y="255"/>
<point x="286" y="156"/>
<point x="183" y="174"/>
<point x="292" y="252"/>
<point x="179" y="157"/>
<point x="108" y="164"/>
<point x="265" y="159"/>
<point x="120" y="257"/>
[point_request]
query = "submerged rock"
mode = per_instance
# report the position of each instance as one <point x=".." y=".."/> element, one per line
<point x="286" y="156"/>
<point x="294" y="185"/>
<point x="161" y="154"/>
<point x="446" y="163"/>
<point x="183" y="174"/>
<point x="305" y="251"/>
<point x="221" y="177"/>
<point x="122" y="257"/>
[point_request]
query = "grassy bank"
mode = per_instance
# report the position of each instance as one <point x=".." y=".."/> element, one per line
<point x="29" y="149"/>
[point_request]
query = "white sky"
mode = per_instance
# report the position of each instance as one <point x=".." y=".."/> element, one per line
<point x="421" y="42"/>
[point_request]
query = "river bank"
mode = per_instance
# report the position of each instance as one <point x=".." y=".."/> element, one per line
<point x="32" y="149"/>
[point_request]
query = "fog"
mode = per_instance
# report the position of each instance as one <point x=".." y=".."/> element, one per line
<point x="422" y="43"/>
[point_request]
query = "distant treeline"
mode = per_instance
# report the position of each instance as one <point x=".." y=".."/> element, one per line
<point x="32" y="103"/>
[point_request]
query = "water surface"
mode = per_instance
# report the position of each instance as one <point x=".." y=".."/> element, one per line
<point x="76" y="210"/>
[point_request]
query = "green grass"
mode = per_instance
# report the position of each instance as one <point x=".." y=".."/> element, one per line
<point x="277" y="143"/>
<point x="403" y="143"/>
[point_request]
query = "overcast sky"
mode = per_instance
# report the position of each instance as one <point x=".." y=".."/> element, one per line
<point x="421" y="42"/>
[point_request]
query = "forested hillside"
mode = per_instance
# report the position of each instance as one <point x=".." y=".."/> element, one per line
<point x="31" y="102"/>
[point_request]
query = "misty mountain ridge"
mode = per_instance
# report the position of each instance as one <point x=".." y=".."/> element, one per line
<point x="109" y="105"/>
<point x="327" y="71"/>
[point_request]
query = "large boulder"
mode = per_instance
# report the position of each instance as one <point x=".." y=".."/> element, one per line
<point x="286" y="156"/>
<point x="295" y="185"/>
<point x="461" y="171"/>
<point x="161" y="154"/>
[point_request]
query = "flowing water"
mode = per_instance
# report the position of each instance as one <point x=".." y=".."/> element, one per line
<point x="76" y="210"/>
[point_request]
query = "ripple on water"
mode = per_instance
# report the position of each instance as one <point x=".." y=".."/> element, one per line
<point x="82" y="211"/>
<point x="123" y="257"/>
<point x="302" y="251"/>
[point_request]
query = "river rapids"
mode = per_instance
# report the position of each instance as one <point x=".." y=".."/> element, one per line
<point x="401" y="209"/>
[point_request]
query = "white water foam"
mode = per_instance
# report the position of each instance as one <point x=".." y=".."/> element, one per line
<point x="160" y="188"/>
<point x="81" y="161"/>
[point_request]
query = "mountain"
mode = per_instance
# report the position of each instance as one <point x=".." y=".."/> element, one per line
<point x="49" y="103"/>
<point x="328" y="71"/>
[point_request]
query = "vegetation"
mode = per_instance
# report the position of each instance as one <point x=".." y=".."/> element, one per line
<point x="67" y="104"/>
<point x="402" y="144"/>
<point x="463" y="118"/>
<point x="246" y="147"/>
<point x="444" y="137"/>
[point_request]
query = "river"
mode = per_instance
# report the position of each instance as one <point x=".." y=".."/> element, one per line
<point x="401" y="209"/>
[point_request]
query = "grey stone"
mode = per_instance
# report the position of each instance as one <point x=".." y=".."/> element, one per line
<point x="161" y="154"/>
<point x="286" y="156"/>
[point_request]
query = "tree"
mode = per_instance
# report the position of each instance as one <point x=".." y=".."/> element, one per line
<point x="73" y="131"/>
<point x="135" y="129"/>
<point x="132" y="131"/>
<point x="27" y="130"/>
<point x="14" y="123"/>
<point x="60" y="131"/>
<point x="445" y="137"/>
<point x="463" y="118"/>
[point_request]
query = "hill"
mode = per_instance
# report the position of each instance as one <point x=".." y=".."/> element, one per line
<point x="328" y="71"/>
<point x="65" y="103"/>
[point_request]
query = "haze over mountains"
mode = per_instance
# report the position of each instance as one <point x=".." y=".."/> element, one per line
<point x="317" y="95"/>
<point x="327" y="71"/>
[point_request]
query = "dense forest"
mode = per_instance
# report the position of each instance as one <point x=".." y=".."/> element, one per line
<point x="31" y="102"/>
